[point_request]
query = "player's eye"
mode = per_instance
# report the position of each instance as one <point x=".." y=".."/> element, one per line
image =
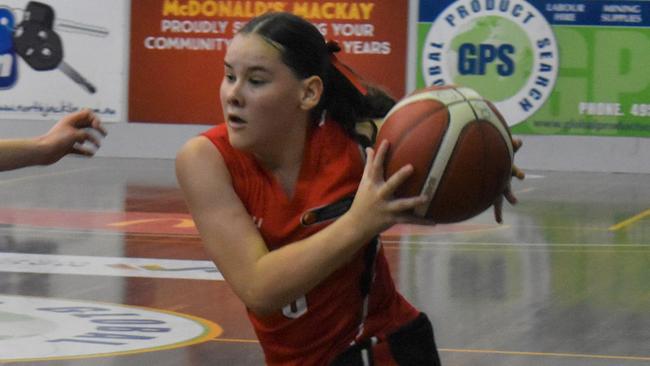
<point x="257" y="81"/>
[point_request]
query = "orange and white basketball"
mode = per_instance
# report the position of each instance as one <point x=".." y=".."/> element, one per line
<point x="460" y="148"/>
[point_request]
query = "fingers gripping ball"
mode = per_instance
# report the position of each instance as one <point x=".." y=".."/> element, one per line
<point x="460" y="148"/>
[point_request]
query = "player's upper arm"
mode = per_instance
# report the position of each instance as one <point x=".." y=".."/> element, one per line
<point x="227" y="230"/>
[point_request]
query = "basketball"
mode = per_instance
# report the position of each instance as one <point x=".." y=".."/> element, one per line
<point x="460" y="148"/>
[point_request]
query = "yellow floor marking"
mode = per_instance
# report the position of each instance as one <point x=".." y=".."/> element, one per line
<point x="181" y="222"/>
<point x="490" y="351"/>
<point x="525" y="190"/>
<point x="235" y="340"/>
<point x="546" y="354"/>
<point x="426" y="244"/>
<point x="625" y="223"/>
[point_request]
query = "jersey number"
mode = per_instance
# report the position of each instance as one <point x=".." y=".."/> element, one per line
<point x="296" y="309"/>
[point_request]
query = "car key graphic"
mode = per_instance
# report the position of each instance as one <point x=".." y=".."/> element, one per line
<point x="36" y="42"/>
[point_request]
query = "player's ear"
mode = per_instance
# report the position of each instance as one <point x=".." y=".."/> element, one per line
<point x="311" y="92"/>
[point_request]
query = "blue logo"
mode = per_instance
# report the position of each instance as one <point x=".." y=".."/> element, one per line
<point x="8" y="61"/>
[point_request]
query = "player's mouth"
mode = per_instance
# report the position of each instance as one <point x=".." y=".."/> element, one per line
<point x="234" y="121"/>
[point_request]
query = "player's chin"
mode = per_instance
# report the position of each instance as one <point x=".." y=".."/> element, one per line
<point x="239" y="140"/>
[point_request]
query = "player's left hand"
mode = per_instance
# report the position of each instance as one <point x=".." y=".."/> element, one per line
<point x="507" y="194"/>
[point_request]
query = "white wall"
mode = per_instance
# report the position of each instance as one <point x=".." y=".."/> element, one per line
<point x="564" y="153"/>
<point x="577" y="153"/>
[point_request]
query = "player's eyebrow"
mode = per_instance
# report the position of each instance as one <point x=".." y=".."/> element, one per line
<point x="250" y="69"/>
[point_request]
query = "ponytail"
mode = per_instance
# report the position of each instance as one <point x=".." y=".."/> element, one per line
<point x="350" y="101"/>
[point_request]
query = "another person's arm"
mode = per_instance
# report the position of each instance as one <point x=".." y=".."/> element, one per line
<point x="67" y="136"/>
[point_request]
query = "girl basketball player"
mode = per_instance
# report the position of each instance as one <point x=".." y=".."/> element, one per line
<point x="289" y="210"/>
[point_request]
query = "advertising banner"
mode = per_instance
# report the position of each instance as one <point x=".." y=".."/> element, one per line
<point x="57" y="56"/>
<point x="178" y="46"/>
<point x="574" y="67"/>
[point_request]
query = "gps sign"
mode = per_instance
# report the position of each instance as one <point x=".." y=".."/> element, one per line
<point x="504" y="49"/>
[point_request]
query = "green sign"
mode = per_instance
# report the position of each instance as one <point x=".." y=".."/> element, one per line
<point x="572" y="68"/>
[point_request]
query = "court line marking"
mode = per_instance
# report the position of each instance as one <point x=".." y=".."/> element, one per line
<point x="546" y="354"/>
<point x="486" y="244"/>
<point x="39" y="176"/>
<point x="36" y="230"/>
<point x="94" y="232"/>
<point x="490" y="351"/>
<point x="389" y="243"/>
<point x="234" y="340"/>
<point x="109" y="266"/>
<point x="525" y="190"/>
<point x="631" y="221"/>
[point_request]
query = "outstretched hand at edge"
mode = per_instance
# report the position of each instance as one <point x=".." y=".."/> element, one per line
<point x="69" y="135"/>
<point x="508" y="194"/>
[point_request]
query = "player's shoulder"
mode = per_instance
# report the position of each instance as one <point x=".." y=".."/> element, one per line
<point x="203" y="143"/>
<point x="198" y="153"/>
<point x="197" y="146"/>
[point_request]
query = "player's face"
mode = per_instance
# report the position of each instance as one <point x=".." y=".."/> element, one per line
<point x="260" y="95"/>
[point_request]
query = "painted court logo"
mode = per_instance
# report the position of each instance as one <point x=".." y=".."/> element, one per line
<point x="504" y="49"/>
<point x="34" y="328"/>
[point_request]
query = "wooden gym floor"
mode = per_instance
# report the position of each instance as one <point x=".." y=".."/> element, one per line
<point x="100" y="264"/>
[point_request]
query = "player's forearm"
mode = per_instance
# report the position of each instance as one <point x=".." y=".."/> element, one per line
<point x="285" y="274"/>
<point x="18" y="153"/>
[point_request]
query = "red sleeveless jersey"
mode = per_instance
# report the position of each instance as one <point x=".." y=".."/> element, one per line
<point x="315" y="328"/>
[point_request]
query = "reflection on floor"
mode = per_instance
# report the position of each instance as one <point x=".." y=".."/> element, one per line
<point x="100" y="264"/>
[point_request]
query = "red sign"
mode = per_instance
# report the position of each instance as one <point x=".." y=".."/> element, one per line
<point x="177" y="49"/>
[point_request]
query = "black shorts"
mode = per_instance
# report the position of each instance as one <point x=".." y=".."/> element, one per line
<point x="411" y="345"/>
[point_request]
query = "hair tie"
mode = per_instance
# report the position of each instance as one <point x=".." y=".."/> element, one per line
<point x="332" y="48"/>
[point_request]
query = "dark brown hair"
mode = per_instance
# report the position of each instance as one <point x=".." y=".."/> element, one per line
<point x="306" y="53"/>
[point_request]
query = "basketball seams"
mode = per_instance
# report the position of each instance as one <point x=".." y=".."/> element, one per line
<point x="484" y="112"/>
<point x="426" y="185"/>
<point x="503" y="125"/>
<point x="463" y="135"/>
<point x="421" y="119"/>
<point x="444" y="97"/>
<point x="460" y="115"/>
<point x="468" y="94"/>
<point x="456" y="138"/>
